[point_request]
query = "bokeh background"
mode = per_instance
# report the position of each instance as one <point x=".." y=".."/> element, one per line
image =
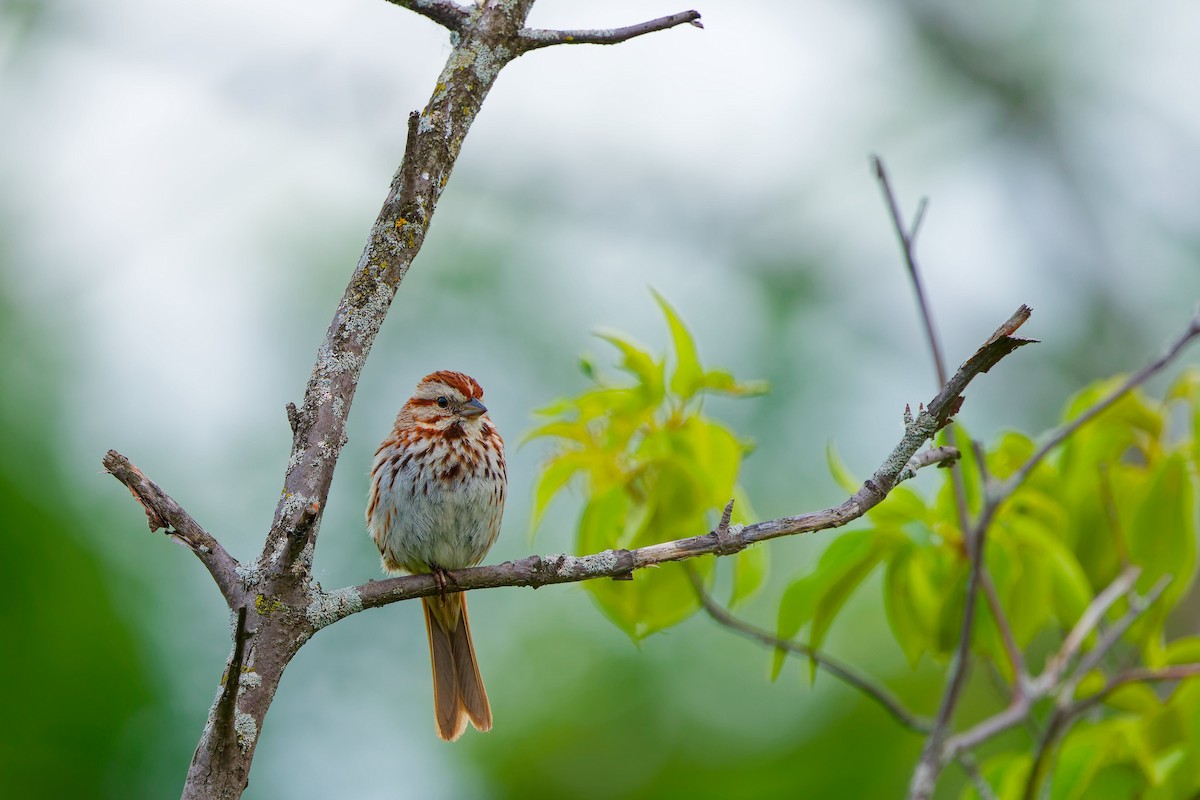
<point x="188" y="186"/>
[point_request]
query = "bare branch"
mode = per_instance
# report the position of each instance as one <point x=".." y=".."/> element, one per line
<point x="974" y="537"/>
<point x="907" y="236"/>
<point x="934" y="758"/>
<point x="1065" y="708"/>
<point x="446" y="13"/>
<point x="942" y="456"/>
<point x="1137" y="607"/>
<point x="1050" y="682"/>
<point x="843" y="672"/>
<point x="982" y="787"/>
<point x="435" y="138"/>
<point x="163" y="512"/>
<point x="536" y="38"/>
<point x="537" y="571"/>
<point x="1088" y="621"/>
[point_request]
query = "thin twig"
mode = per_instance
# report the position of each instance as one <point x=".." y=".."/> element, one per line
<point x="1060" y="434"/>
<point x="163" y="512"/>
<point x="969" y="766"/>
<point x="974" y="537"/>
<point x="1065" y="705"/>
<point x="843" y="672"/>
<point x="907" y="236"/>
<point x="1062" y="719"/>
<point x="1110" y="637"/>
<point x="446" y="13"/>
<point x="1088" y="621"/>
<point x="536" y="38"/>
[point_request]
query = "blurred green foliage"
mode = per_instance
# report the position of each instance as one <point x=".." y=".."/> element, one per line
<point x="75" y="678"/>
<point x="654" y="468"/>
<point x="1118" y="492"/>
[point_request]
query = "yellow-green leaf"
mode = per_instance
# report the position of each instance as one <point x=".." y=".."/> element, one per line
<point x="688" y="373"/>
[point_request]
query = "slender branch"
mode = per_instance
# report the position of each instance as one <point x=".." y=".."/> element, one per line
<point x="536" y="38"/>
<point x="1050" y="682"/>
<point x="907" y="237"/>
<point x="969" y="766"/>
<point x="1060" y="434"/>
<point x="435" y="138"/>
<point x="1110" y="637"/>
<point x="446" y="13"/>
<point x="1175" y="672"/>
<point x="843" y="672"/>
<point x="974" y="537"/>
<point x="163" y="512"/>
<point x="1062" y="719"/>
<point x="1065" y="706"/>
<point x="1016" y="660"/>
<point x="1088" y="621"/>
<point x="943" y="456"/>
<point x="537" y="571"/>
<point x="936" y="754"/>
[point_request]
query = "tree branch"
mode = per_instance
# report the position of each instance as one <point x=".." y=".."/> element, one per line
<point x="446" y="13"/>
<point x="974" y="537"/>
<point x="163" y="512"/>
<point x="936" y="755"/>
<point x="535" y="571"/>
<point x="536" y="38"/>
<point x="1052" y="681"/>
<point x="435" y="138"/>
<point x="843" y="672"/>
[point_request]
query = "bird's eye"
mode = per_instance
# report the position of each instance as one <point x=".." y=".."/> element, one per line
<point x="442" y="401"/>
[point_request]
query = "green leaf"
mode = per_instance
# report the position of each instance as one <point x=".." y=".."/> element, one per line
<point x="654" y="600"/>
<point x="722" y="382"/>
<point x="1135" y="698"/>
<point x="909" y="628"/>
<point x="1162" y="538"/>
<point x="901" y="507"/>
<point x="1185" y="650"/>
<point x="839" y="471"/>
<point x="1006" y="773"/>
<point x="818" y="597"/>
<point x="555" y="474"/>
<point x="639" y="363"/>
<point x="603" y="520"/>
<point x="919" y="595"/>
<point x="688" y="374"/>
<point x="560" y="429"/>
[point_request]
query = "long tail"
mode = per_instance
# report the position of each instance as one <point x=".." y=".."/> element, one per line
<point x="458" y="693"/>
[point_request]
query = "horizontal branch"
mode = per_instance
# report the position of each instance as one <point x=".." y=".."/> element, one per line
<point x="535" y="571"/>
<point x="163" y="512"/>
<point x="446" y="13"/>
<point x="536" y="38"/>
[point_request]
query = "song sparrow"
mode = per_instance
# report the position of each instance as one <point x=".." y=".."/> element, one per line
<point x="437" y="495"/>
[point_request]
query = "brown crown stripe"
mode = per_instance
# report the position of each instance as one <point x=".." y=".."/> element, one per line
<point x="469" y="387"/>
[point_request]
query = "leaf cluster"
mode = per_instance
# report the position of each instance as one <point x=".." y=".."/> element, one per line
<point x="1120" y="491"/>
<point x="653" y="467"/>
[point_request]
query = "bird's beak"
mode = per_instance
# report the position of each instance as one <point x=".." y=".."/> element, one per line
<point x="473" y="409"/>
